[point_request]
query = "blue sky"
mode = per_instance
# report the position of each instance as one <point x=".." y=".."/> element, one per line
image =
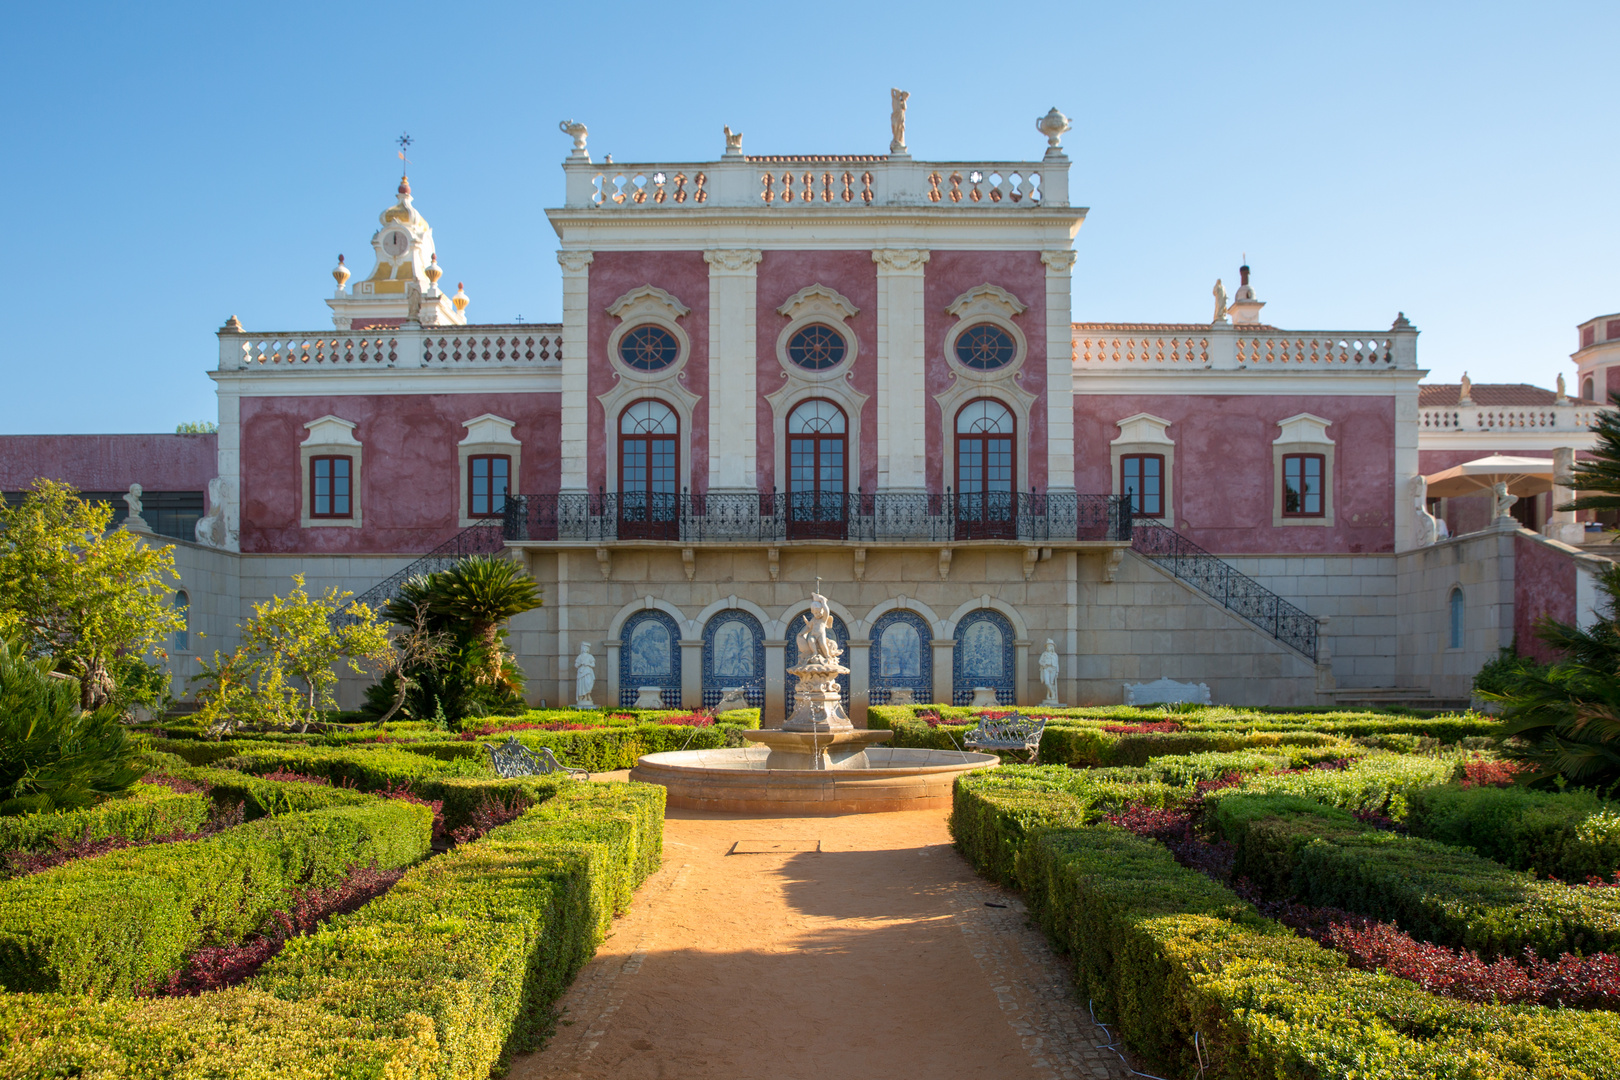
<point x="169" y="165"/>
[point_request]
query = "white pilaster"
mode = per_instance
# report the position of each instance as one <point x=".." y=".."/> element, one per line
<point x="1059" y="371"/>
<point x="901" y="356"/>
<point x="228" y="463"/>
<point x="575" y="365"/>
<point x="733" y="276"/>
<point x="1406" y="458"/>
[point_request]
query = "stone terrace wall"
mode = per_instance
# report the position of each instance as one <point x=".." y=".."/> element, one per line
<point x="1482" y="565"/>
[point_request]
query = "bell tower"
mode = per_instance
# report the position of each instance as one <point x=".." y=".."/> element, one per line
<point x="403" y="286"/>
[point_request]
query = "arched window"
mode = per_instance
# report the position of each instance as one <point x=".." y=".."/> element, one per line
<point x="1588" y="389"/>
<point x="984" y="657"/>
<point x="182" y="636"/>
<point x="840" y="634"/>
<point x="985" y="484"/>
<point x="818" y="462"/>
<point x="902" y="657"/>
<point x="649" y="468"/>
<point x="1457" y="625"/>
<point x="733" y="656"/>
<point x="650" y="655"/>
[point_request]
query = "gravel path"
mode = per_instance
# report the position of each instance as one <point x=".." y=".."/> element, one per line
<point x="828" y="948"/>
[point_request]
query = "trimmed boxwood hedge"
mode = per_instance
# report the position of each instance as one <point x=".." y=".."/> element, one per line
<point x="445" y="977"/>
<point x="1294" y="847"/>
<point x="144" y="811"/>
<point x="1199" y="982"/>
<point x="599" y="750"/>
<point x="109" y="924"/>
<point x="1571" y="835"/>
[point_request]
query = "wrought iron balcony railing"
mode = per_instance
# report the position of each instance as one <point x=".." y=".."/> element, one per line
<point x="774" y="517"/>
<point x="1224" y="582"/>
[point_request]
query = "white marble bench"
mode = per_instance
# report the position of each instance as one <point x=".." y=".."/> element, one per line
<point x="1166" y="692"/>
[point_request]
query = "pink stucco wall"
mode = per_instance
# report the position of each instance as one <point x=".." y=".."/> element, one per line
<point x="949" y="274"/>
<point x="1223" y="484"/>
<point x="685" y="276"/>
<point x="781" y="274"/>
<point x="1543" y="585"/>
<point x="410" y="487"/>
<point x="109" y="462"/>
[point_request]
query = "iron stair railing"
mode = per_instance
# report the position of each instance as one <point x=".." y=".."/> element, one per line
<point x="1222" y="581"/>
<point x="476" y="540"/>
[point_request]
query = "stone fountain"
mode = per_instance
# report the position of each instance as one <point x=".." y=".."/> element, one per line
<point x="817" y="761"/>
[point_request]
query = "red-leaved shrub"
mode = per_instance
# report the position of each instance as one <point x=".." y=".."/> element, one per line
<point x="500" y="729"/>
<point x="1157" y="727"/>
<point x="696" y="719"/>
<point x="1482" y="772"/>
<point x="288" y="777"/>
<point x="486" y="815"/>
<point x="175" y="783"/>
<point x="216" y="967"/>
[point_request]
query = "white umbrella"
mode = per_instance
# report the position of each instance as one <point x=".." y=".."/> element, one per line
<point x="1523" y="476"/>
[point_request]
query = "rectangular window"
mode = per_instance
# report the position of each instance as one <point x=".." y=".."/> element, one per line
<point x="331" y="488"/>
<point x="1302" y="485"/>
<point x="1141" y="476"/>
<point x="488" y="483"/>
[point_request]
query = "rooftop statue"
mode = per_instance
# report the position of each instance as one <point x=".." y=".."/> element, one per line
<point x="1220" y="302"/>
<point x="575" y="129"/>
<point x="897" y="121"/>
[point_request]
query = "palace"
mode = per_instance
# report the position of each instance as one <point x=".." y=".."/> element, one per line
<point x="864" y="369"/>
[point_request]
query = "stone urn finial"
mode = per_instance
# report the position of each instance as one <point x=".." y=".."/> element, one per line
<point x="1054" y="125"/>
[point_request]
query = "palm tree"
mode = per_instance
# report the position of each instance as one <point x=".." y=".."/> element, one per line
<point x="1597" y="478"/>
<point x="484" y="591"/>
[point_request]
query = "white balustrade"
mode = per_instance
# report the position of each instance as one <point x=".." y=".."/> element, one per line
<point x="817" y="182"/>
<point x="1574" y="416"/>
<point x="1126" y="346"/>
<point x="520" y="344"/>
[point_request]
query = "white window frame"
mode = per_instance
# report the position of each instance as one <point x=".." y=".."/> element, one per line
<point x="330" y="436"/>
<point x="1302" y="433"/>
<point x="1144" y="433"/>
<point x="486" y="434"/>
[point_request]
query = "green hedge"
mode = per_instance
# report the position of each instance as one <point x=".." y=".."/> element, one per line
<point x="107" y="925"/>
<point x="370" y="769"/>
<point x="1570" y="835"/>
<point x="144" y="811"/>
<point x="444" y="977"/>
<point x="1320" y="855"/>
<point x="1377" y="783"/>
<point x="599" y="750"/>
<point x="1172" y="957"/>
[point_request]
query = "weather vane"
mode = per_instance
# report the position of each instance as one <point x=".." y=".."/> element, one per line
<point x="404" y="141"/>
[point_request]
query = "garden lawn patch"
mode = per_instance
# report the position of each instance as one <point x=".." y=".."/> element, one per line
<point x="1571" y="835"/>
<point x="116" y="922"/>
<point x="144" y="811"/>
<point x="1293" y="847"/>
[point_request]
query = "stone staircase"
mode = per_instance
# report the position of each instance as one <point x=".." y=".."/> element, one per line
<point x="1396" y="697"/>
<point x="477" y="540"/>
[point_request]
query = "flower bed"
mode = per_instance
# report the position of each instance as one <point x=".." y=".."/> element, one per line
<point x="108" y="924"/>
<point x="1201" y="982"/>
<point x="444" y="977"/>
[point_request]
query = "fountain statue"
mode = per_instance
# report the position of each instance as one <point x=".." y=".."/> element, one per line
<point x="817" y="761"/>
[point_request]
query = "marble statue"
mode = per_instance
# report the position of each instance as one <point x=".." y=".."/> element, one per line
<point x="1466" y="395"/>
<point x="584" y="677"/>
<point x="1504" y="501"/>
<point x="733" y="140"/>
<point x="132" y="499"/>
<point x="897" y="121"/>
<point x="211" y="528"/>
<point x="413" y="302"/>
<point x="1563" y="391"/>
<point x="1049" y="674"/>
<point x="1220" y="302"/>
<point x="815" y="641"/>
<point x="1427" y="525"/>
<point x="577" y="131"/>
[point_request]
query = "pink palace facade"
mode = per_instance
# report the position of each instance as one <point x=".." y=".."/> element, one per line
<point x="858" y="368"/>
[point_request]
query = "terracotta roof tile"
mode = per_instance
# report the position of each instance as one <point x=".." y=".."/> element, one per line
<point x="1439" y="395"/>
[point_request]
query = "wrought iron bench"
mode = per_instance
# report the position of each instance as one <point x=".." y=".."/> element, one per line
<point x="1015" y="732"/>
<point x="514" y="759"/>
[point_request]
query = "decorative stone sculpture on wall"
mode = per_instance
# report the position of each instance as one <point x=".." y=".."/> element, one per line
<point x="134" y="521"/>
<point x="212" y="528"/>
<point x="1504" y="501"/>
<point x="1427" y="525"/>
<point x="897" y="121"/>
<point x="1049" y="675"/>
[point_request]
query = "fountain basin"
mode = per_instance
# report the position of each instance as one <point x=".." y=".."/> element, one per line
<point x="737" y="780"/>
<point x="817" y="749"/>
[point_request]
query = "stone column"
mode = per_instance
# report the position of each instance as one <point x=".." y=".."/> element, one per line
<point x="691" y="674"/>
<point x="733" y="279"/>
<point x="901" y="356"/>
<point x="1406" y="458"/>
<point x="1059" y="372"/>
<point x="573" y="431"/>
<point x="859" y="662"/>
<point x="775" y="710"/>
<point x="944" y="669"/>
<point x="610" y="677"/>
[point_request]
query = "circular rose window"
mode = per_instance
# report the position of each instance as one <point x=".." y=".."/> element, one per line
<point x="648" y="348"/>
<point x="985" y="347"/>
<point x="816" y="347"/>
